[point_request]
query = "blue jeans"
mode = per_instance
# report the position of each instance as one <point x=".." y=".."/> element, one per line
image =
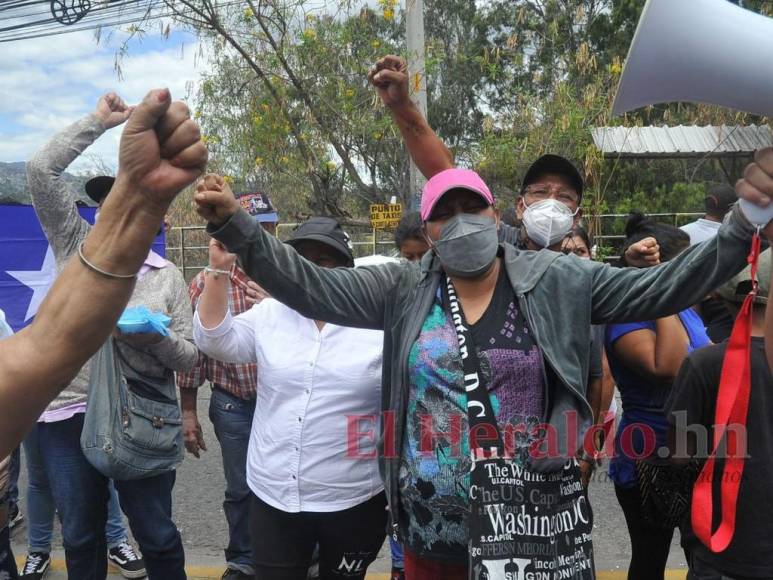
<point x="148" y="505"/>
<point x="79" y="493"/>
<point x="232" y="419"/>
<point x="40" y="507"/>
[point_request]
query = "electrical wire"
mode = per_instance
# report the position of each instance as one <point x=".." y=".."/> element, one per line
<point x="23" y="22"/>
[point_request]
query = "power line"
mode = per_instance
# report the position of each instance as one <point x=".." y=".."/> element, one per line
<point x="25" y="24"/>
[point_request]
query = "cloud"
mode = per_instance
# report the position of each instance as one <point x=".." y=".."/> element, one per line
<point x="49" y="83"/>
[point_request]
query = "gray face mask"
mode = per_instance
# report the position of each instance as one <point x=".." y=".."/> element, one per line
<point x="468" y="245"/>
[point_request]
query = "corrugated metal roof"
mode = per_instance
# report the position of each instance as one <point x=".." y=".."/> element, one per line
<point x="682" y="141"/>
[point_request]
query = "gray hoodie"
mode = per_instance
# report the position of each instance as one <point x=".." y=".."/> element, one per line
<point x="560" y="295"/>
<point x="160" y="289"/>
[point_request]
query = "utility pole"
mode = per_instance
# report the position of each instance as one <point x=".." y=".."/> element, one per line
<point x="414" y="14"/>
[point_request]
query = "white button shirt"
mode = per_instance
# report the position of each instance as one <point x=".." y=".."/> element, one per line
<point x="311" y="384"/>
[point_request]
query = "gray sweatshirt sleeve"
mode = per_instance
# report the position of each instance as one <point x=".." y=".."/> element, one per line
<point x="177" y="351"/>
<point x="632" y="294"/>
<point x="354" y="297"/>
<point x="53" y="200"/>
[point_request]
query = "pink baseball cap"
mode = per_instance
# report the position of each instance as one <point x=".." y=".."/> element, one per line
<point x="445" y="181"/>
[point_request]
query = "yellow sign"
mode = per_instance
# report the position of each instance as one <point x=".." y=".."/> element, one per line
<point x="385" y="216"/>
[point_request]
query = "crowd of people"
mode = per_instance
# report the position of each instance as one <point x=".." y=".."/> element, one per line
<point x="455" y="398"/>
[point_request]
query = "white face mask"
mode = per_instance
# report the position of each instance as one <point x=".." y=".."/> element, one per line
<point x="547" y="222"/>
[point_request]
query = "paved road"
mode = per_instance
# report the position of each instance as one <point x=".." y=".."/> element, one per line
<point x="199" y="514"/>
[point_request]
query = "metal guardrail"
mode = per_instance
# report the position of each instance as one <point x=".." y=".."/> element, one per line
<point x="366" y="241"/>
<point x="183" y="252"/>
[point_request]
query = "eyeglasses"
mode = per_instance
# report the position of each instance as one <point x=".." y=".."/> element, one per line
<point x="539" y="192"/>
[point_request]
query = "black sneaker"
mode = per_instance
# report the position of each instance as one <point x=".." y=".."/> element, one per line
<point x="232" y="574"/>
<point x="397" y="574"/>
<point x="127" y="560"/>
<point x="15" y="516"/>
<point x="36" y="566"/>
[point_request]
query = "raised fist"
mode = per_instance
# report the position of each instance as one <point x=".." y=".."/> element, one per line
<point x="215" y="201"/>
<point x="390" y="77"/>
<point x="757" y="184"/>
<point x="161" y="150"/>
<point x="111" y="110"/>
<point x="643" y="254"/>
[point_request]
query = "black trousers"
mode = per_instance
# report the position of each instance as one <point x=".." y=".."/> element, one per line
<point x="650" y="544"/>
<point x="349" y="540"/>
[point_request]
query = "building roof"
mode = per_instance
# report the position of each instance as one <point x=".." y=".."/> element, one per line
<point x="682" y="141"/>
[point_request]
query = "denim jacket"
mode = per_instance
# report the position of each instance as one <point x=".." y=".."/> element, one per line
<point x="560" y="294"/>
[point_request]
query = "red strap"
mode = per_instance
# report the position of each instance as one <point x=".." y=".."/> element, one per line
<point x="732" y="408"/>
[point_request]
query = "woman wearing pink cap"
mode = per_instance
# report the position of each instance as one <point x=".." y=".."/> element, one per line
<point x="485" y="369"/>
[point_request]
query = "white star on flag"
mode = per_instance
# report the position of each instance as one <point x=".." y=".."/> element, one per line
<point x="38" y="280"/>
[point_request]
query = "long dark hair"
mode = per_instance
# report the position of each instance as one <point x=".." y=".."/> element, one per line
<point x="671" y="239"/>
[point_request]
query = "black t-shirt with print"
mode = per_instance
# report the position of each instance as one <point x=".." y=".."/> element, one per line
<point x="750" y="554"/>
<point x="434" y="488"/>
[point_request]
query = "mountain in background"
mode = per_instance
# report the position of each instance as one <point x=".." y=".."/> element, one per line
<point x="13" y="184"/>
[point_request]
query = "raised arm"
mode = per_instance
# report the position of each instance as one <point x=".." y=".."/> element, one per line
<point x="53" y="200"/>
<point x="161" y="152"/>
<point x="345" y="296"/>
<point x="390" y="78"/>
<point x="216" y="332"/>
<point x="630" y="294"/>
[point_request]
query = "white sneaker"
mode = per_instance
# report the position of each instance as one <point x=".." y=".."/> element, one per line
<point x="36" y="566"/>
<point x="127" y="560"/>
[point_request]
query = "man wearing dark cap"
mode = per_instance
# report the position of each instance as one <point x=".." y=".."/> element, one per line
<point x="719" y="200"/>
<point x="232" y="403"/>
<point x="548" y="205"/>
<point x="152" y="358"/>
<point x="552" y="186"/>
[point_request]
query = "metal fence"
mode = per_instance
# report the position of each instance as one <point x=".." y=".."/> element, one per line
<point x="187" y="245"/>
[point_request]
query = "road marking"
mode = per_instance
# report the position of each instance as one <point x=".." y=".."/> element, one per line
<point x="215" y="572"/>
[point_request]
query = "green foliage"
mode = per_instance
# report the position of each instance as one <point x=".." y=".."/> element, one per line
<point x="288" y="108"/>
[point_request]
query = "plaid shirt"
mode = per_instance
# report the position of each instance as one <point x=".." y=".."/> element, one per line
<point x="238" y="379"/>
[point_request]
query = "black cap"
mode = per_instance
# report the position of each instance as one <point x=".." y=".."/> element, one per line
<point x="325" y="230"/>
<point x="98" y="187"/>
<point x="554" y="164"/>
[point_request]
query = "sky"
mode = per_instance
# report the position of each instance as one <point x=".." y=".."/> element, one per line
<point x="48" y="83"/>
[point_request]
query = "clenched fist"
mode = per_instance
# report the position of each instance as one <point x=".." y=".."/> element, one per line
<point x="161" y="149"/>
<point x="111" y="110"/>
<point x="757" y="184"/>
<point x="390" y="77"/>
<point x="215" y="201"/>
<point x="643" y="254"/>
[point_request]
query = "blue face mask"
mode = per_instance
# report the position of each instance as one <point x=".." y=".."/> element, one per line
<point x="468" y="245"/>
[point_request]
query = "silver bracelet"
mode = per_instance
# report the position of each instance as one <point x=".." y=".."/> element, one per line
<point x="216" y="272"/>
<point x="99" y="270"/>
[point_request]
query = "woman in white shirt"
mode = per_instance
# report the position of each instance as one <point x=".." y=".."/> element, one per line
<point x="311" y="463"/>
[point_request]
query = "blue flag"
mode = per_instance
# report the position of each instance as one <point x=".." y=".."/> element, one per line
<point x="27" y="266"/>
